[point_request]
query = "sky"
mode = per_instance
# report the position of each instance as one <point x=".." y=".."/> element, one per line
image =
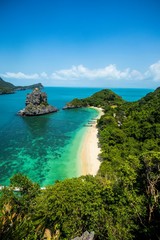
<point x="81" y="43"/>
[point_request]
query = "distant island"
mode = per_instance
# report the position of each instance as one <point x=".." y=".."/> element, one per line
<point x="9" y="88"/>
<point x="36" y="104"/>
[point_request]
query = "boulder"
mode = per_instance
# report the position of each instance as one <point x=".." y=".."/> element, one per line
<point x="86" y="236"/>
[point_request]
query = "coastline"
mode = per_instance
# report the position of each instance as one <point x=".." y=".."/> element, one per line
<point x="89" y="149"/>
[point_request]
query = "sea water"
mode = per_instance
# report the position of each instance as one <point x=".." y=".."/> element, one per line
<point x="45" y="147"/>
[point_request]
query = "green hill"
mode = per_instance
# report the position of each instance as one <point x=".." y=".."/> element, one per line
<point x="104" y="98"/>
<point x="7" y="88"/>
<point x="37" y="85"/>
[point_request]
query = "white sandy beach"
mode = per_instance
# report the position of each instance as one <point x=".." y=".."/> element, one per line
<point x="89" y="149"/>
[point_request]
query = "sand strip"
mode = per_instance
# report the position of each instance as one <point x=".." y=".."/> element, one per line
<point x="89" y="149"/>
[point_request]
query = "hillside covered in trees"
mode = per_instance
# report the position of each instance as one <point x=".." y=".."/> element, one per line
<point x="122" y="202"/>
<point x="8" y="88"/>
<point x="105" y="98"/>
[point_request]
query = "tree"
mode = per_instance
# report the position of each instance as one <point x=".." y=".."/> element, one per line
<point x="72" y="207"/>
<point x="16" y="209"/>
<point x="151" y="180"/>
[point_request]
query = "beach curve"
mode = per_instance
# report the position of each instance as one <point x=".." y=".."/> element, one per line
<point x="89" y="149"/>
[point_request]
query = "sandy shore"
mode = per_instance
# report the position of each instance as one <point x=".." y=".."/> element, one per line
<point x="89" y="149"/>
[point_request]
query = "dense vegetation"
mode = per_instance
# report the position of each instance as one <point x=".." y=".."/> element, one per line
<point x="105" y="98"/>
<point x="130" y="140"/>
<point x="122" y="202"/>
<point x="7" y="88"/>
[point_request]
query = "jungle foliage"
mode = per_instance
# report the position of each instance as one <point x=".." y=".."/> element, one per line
<point x="121" y="203"/>
<point x="104" y="98"/>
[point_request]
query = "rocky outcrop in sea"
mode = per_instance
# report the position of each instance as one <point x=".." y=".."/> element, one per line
<point x="36" y="104"/>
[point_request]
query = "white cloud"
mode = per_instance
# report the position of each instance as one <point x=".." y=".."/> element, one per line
<point x="136" y="75"/>
<point x="20" y="75"/>
<point x="109" y="72"/>
<point x="154" y="72"/>
<point x="44" y="75"/>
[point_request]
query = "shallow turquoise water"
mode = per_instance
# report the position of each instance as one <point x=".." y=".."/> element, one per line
<point x="45" y="147"/>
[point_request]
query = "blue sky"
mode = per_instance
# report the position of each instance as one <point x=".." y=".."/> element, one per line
<point x="97" y="43"/>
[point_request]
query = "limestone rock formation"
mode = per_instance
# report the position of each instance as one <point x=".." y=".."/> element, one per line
<point x="36" y="104"/>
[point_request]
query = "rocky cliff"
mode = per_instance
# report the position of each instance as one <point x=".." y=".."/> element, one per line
<point x="36" y="104"/>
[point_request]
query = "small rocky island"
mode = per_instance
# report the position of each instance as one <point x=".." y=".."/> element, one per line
<point x="36" y="104"/>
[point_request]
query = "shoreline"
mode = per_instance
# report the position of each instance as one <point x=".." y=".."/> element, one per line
<point x="89" y="149"/>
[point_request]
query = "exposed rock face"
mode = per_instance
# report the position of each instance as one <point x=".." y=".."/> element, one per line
<point x="86" y="236"/>
<point x="36" y="104"/>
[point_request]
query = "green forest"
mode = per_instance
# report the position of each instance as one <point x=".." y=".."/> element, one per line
<point x="9" y="88"/>
<point x="122" y="202"/>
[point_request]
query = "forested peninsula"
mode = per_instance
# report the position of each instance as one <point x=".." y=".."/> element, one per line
<point x="9" y="88"/>
<point x="122" y="202"/>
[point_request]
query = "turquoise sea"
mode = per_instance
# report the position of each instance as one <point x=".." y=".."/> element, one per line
<point x="45" y="148"/>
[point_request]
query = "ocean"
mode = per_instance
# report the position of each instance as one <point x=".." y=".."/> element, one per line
<point x="45" y="147"/>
